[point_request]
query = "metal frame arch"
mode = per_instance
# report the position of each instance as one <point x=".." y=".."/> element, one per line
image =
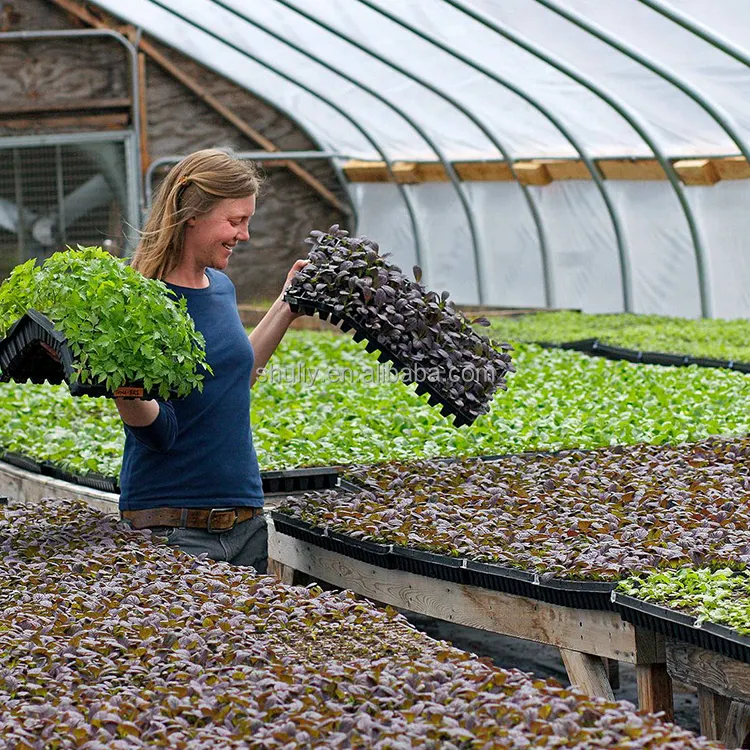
<point x="701" y="31"/>
<point x="632" y="118"/>
<point x="447" y="164"/>
<point x="533" y="209"/>
<point x="722" y="118"/>
<point x="620" y="239"/>
<point x="365" y="133"/>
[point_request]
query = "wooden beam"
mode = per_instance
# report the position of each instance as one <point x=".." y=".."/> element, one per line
<point x="545" y="171"/>
<point x="357" y="170"/>
<point x="114" y="121"/>
<point x="195" y="87"/>
<point x="283" y="573"/>
<point x="532" y="173"/>
<point x="698" y="667"/>
<point x="143" y="114"/>
<point x="565" y="169"/>
<point x="655" y="689"/>
<point x="631" y="169"/>
<point x="713" y="710"/>
<point x="697" y="171"/>
<point x="588" y="673"/>
<point x="58" y="106"/>
<point x="484" y="171"/>
<point x="732" y="168"/>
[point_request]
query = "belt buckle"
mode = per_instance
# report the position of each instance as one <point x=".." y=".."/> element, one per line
<point x="209" y="524"/>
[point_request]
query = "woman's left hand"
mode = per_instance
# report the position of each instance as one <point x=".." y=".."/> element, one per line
<point x="298" y="266"/>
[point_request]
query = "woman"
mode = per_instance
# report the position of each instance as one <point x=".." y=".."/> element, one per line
<point x="190" y="471"/>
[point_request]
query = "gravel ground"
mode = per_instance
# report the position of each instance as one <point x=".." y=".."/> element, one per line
<point x="544" y="661"/>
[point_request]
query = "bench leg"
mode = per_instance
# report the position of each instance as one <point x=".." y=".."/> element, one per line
<point x="284" y="573"/>
<point x="655" y="689"/>
<point x="588" y="673"/>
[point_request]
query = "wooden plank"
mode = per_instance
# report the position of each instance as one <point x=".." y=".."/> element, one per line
<point x="732" y="168"/>
<point x="432" y="172"/>
<point x="189" y="82"/>
<point x="566" y="169"/>
<point x="613" y="672"/>
<point x="588" y="673"/>
<point x="599" y="633"/>
<point x="631" y="169"/>
<point x="282" y="572"/>
<point x="56" y="106"/>
<point x="27" y="487"/>
<point x="357" y="170"/>
<point x="143" y="114"/>
<point x="532" y="173"/>
<point x="713" y="710"/>
<point x="655" y="689"/>
<point x="737" y="726"/>
<point x="697" y="171"/>
<point x="113" y="121"/>
<point x="484" y="171"/>
<point x="701" y="668"/>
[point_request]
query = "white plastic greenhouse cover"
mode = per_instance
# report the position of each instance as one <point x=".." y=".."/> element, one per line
<point x="583" y="255"/>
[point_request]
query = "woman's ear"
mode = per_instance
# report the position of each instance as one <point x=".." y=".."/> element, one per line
<point x="191" y="221"/>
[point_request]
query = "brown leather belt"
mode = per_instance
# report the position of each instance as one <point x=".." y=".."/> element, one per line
<point x="212" y="520"/>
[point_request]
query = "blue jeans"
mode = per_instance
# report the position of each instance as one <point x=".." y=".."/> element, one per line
<point x="245" y="544"/>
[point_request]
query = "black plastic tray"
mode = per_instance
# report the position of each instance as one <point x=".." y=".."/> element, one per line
<point x="35" y="350"/>
<point x="429" y="564"/>
<point x="594" y="347"/>
<point x="363" y="550"/>
<point x="300" y="480"/>
<point x="97" y="482"/>
<point x="576" y="594"/>
<point x="669" y="622"/>
<point x="20" y="461"/>
<point x="435" y="397"/>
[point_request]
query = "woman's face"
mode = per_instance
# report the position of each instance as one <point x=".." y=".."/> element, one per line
<point x="210" y="238"/>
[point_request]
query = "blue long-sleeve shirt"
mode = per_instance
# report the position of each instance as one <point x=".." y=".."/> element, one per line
<point x="199" y="452"/>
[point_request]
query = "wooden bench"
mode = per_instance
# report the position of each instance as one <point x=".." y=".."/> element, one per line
<point x="587" y="639"/>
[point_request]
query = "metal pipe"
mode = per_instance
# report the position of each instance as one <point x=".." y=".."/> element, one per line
<point x="632" y="118"/>
<point x="715" y="111"/>
<point x="450" y="170"/>
<point x="690" y="24"/>
<point x="60" y="195"/>
<point x="533" y="209"/>
<point x="621" y="242"/>
<point x="365" y="133"/>
<point x="78" y="33"/>
<point x="18" y="188"/>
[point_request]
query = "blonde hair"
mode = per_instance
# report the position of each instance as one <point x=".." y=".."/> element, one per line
<point x="191" y="188"/>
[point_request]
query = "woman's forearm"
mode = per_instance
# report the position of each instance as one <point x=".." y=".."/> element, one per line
<point x="268" y="333"/>
<point x="137" y="413"/>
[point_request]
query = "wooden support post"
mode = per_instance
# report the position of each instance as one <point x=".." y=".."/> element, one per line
<point x="723" y="690"/>
<point x="737" y="726"/>
<point x="189" y="82"/>
<point x="713" y="710"/>
<point x="613" y="672"/>
<point x="284" y="573"/>
<point x="655" y="689"/>
<point x="588" y="673"/>
<point x="143" y="113"/>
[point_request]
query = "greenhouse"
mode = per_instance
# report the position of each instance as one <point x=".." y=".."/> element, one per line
<point x="374" y="374"/>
